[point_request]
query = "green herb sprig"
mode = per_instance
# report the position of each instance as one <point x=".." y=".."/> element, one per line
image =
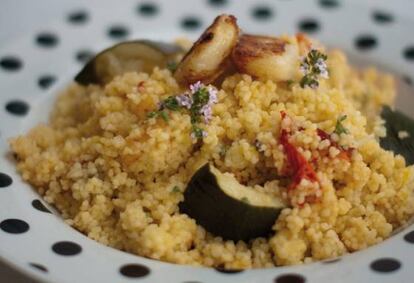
<point x="198" y="103"/>
<point x="169" y="103"/>
<point x="176" y="189"/>
<point x="313" y="66"/>
<point x="339" y="127"/>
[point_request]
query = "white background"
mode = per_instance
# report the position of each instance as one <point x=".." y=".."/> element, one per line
<point x="18" y="17"/>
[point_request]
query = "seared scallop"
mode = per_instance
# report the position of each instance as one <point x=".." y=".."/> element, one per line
<point x="207" y="58"/>
<point x="267" y="58"/>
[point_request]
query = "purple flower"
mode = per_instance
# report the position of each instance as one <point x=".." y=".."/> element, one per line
<point x="206" y="112"/>
<point x="212" y="95"/>
<point x="304" y="68"/>
<point x="324" y="74"/>
<point x="196" y="87"/>
<point x="322" y="68"/>
<point x="184" y="100"/>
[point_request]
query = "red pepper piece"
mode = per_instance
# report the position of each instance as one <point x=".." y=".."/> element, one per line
<point x="323" y="135"/>
<point x="344" y="154"/>
<point x="298" y="167"/>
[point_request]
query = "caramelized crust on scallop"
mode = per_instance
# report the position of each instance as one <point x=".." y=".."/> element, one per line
<point x="206" y="59"/>
<point x="266" y="57"/>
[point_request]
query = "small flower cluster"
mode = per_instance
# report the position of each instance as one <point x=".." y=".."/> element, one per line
<point x="184" y="100"/>
<point x="198" y="101"/>
<point x="313" y="66"/>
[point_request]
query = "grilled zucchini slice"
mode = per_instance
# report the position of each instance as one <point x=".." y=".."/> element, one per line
<point x="397" y="122"/>
<point x="226" y="208"/>
<point x="136" y="55"/>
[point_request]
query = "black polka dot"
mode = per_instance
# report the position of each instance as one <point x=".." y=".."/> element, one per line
<point x="66" y="248"/>
<point x="262" y="12"/>
<point x="14" y="226"/>
<point x="290" y="278"/>
<point x="17" y="107"/>
<point x="229" y="271"/>
<point x="10" y="63"/>
<point x="5" y="180"/>
<point x="147" y="9"/>
<point x="217" y="2"/>
<point x="38" y="267"/>
<point x="84" y="55"/>
<point x="409" y="237"/>
<point x="45" y="81"/>
<point x="329" y="4"/>
<point x="191" y="23"/>
<point x="309" y="25"/>
<point x="37" y="204"/>
<point x="134" y="270"/>
<point x="385" y="265"/>
<point x="409" y="53"/>
<point x="382" y="17"/>
<point x="47" y="39"/>
<point x="118" y="32"/>
<point x="366" y="42"/>
<point x="78" y="17"/>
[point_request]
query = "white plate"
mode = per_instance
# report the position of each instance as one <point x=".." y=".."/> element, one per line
<point x="35" y="67"/>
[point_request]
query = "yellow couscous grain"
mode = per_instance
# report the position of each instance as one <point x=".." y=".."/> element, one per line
<point x="111" y="171"/>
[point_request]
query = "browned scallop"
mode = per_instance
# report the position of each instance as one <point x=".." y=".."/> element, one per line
<point x="206" y="59"/>
<point x="267" y="58"/>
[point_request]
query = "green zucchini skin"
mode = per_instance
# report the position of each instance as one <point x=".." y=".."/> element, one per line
<point x="223" y="215"/>
<point x="396" y="121"/>
<point x="89" y="75"/>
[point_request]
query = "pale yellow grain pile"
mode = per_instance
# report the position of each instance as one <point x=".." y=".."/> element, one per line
<point x="111" y="171"/>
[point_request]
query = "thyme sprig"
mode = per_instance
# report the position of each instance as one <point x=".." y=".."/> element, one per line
<point x="198" y="102"/>
<point x="313" y="67"/>
<point x="339" y="127"/>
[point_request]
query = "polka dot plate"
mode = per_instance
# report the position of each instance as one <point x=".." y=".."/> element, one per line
<point x="33" y="68"/>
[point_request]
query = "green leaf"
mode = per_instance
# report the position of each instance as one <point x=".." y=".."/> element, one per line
<point x="172" y="66"/>
<point x="171" y="103"/>
<point x="339" y="128"/>
<point x="309" y="80"/>
<point x="152" y="114"/>
<point x="198" y="132"/>
<point x="396" y="121"/>
<point x="176" y="189"/>
<point x="289" y="83"/>
<point x="200" y="98"/>
<point x="164" y="116"/>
